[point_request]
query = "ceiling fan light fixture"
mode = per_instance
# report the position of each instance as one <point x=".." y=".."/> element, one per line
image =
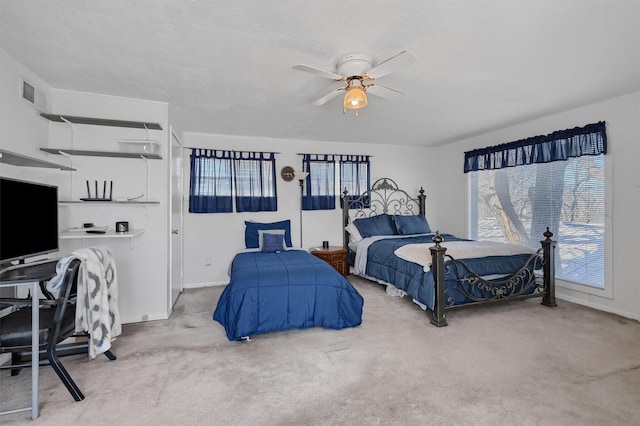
<point x="357" y="69"/>
<point x="355" y="98"/>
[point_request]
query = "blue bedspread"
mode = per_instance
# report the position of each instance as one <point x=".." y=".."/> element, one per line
<point x="287" y="290"/>
<point x="384" y="265"/>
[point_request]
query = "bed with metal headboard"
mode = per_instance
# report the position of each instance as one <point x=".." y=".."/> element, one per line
<point x="389" y="241"/>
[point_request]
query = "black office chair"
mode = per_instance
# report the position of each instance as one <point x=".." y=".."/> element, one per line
<point x="57" y="323"/>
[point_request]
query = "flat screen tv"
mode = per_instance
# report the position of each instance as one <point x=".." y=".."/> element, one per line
<point x="28" y="219"/>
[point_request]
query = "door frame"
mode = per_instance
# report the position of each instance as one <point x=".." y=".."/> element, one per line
<point x="175" y="258"/>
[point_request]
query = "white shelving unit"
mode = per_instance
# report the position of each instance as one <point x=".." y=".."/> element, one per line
<point x="108" y="154"/>
<point x="80" y="234"/>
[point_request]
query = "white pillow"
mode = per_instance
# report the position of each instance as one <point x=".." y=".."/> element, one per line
<point x="261" y="232"/>
<point x="354" y="234"/>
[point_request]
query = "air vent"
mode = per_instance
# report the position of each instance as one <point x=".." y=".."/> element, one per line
<point x="33" y="96"/>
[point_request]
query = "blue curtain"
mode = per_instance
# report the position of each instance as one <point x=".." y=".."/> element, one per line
<point x="557" y="146"/>
<point x="255" y="181"/>
<point x="319" y="189"/>
<point x="355" y="177"/>
<point x="210" y="181"/>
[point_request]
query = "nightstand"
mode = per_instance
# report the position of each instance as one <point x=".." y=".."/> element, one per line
<point x="334" y="256"/>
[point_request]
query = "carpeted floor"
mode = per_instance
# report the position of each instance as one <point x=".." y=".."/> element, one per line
<point x="514" y="364"/>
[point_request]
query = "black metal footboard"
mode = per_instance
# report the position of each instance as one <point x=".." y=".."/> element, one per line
<point x="527" y="282"/>
<point x="535" y="279"/>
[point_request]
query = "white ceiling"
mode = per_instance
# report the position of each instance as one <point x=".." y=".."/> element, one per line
<point x="225" y="67"/>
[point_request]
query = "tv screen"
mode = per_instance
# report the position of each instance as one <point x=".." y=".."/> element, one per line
<point x="28" y="219"/>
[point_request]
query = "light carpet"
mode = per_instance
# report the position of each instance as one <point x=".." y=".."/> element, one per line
<point x="518" y="363"/>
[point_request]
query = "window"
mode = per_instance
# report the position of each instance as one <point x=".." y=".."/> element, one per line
<point x="319" y="189"/>
<point x="218" y="178"/>
<point x="319" y="192"/>
<point x="513" y="197"/>
<point x="354" y="176"/>
<point x="254" y="180"/>
<point x="210" y="184"/>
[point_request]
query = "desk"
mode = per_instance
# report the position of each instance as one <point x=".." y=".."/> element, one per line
<point x="30" y="275"/>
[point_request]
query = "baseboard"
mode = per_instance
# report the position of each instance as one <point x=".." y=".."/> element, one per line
<point x="144" y="318"/>
<point x="599" y="307"/>
<point x="207" y="284"/>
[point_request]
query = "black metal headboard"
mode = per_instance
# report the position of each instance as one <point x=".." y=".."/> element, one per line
<point x="384" y="197"/>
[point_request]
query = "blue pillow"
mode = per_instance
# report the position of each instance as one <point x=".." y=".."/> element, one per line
<point x="409" y="225"/>
<point x="272" y="243"/>
<point x="381" y="224"/>
<point x="251" y="239"/>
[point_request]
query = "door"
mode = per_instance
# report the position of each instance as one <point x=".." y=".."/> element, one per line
<point x="176" y="219"/>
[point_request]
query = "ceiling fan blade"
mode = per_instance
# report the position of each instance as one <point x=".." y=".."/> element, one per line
<point x="326" y="98"/>
<point x="401" y="60"/>
<point x="383" y="91"/>
<point x="312" y="70"/>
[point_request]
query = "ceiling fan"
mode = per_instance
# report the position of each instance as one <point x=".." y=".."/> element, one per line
<point x="358" y="72"/>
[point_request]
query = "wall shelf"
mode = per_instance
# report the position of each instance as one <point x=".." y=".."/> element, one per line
<point x="107" y="202"/>
<point x="80" y="234"/>
<point x="102" y="121"/>
<point x="88" y="153"/>
<point x="71" y="234"/>
<point x="14" y="159"/>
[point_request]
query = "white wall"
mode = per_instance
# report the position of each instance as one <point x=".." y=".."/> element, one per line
<point x="141" y="262"/>
<point x="142" y="265"/>
<point x="22" y="130"/>
<point x="622" y="118"/>
<point x="220" y="235"/>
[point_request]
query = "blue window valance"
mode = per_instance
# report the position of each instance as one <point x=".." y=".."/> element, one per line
<point x="557" y="146"/>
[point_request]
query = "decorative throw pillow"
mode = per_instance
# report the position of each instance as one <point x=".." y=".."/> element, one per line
<point x="272" y="243"/>
<point x="409" y="225"/>
<point x="251" y="232"/>
<point x="381" y="224"/>
<point x="262" y="232"/>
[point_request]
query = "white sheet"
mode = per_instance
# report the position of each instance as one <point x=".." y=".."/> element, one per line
<point x="420" y="254"/>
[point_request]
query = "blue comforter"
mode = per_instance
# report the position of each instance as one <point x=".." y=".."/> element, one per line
<point x="384" y="265"/>
<point x="286" y="290"/>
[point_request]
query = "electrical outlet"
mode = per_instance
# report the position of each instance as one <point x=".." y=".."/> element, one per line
<point x="207" y="261"/>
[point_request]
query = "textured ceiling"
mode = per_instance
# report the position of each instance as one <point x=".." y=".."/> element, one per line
<point x="226" y="67"/>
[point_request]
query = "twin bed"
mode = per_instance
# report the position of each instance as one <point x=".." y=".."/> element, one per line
<point x="275" y="287"/>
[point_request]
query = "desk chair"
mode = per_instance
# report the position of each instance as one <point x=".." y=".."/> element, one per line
<point x="57" y="323"/>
